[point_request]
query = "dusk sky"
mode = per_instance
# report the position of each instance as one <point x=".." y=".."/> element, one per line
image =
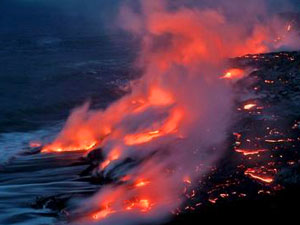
<point x="77" y="16"/>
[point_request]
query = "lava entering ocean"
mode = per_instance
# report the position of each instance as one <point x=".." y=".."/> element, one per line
<point x="176" y="115"/>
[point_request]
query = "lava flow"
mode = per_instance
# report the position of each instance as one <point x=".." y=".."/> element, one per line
<point x="259" y="175"/>
<point x="250" y="152"/>
<point x="234" y="73"/>
<point x="176" y="116"/>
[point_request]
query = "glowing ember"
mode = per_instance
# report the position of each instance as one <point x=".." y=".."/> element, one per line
<point x="258" y="176"/>
<point x="234" y="74"/>
<point x="113" y="155"/>
<point x="170" y="126"/>
<point x="237" y="135"/>
<point x="141" y="138"/>
<point x="213" y="200"/>
<point x="125" y="178"/>
<point x="224" y="195"/>
<point x="103" y="213"/>
<point x="249" y="106"/>
<point x="143" y="205"/>
<point x="35" y="144"/>
<point x="187" y="180"/>
<point x="141" y="183"/>
<point x="70" y="148"/>
<point x="250" y="152"/>
<point x="279" y="140"/>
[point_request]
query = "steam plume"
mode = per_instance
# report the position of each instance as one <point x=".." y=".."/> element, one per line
<point x="173" y="123"/>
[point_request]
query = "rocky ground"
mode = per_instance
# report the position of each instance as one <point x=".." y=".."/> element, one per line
<point x="259" y="176"/>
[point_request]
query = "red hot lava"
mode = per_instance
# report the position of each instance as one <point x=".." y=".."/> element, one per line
<point x="174" y="113"/>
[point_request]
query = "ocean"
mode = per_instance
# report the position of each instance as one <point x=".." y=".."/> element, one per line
<point x="42" y="78"/>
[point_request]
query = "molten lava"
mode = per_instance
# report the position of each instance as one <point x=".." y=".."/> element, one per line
<point x="61" y="148"/>
<point x="103" y="213"/>
<point x="141" y="183"/>
<point x="234" y="73"/>
<point x="175" y="113"/>
<point x="258" y="175"/>
<point x="170" y="126"/>
<point x="144" y="205"/>
<point x="250" y="152"/>
<point x="113" y="155"/>
<point x="249" y="106"/>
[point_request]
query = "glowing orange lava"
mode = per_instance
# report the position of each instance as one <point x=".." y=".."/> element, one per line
<point x="279" y="140"/>
<point x="250" y="152"/>
<point x="258" y="176"/>
<point x="187" y="180"/>
<point x="170" y="126"/>
<point x="35" y="144"/>
<point x="144" y="205"/>
<point x="142" y="183"/>
<point x="234" y="74"/>
<point x="249" y="106"/>
<point x="103" y="213"/>
<point x="113" y="155"/>
<point x="56" y="147"/>
<point x="141" y="138"/>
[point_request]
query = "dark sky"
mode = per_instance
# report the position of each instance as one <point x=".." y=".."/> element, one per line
<point x="71" y="17"/>
<point x="56" y="16"/>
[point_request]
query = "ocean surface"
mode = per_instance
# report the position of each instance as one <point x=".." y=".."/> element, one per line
<point x="42" y="78"/>
<point x="54" y="56"/>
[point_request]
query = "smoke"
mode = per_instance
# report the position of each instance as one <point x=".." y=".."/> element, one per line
<point x="163" y="135"/>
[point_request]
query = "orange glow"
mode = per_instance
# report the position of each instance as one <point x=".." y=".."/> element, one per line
<point x="141" y="138"/>
<point x="144" y="205"/>
<point x="213" y="200"/>
<point x="105" y="164"/>
<point x="170" y="126"/>
<point x="160" y="97"/>
<point x="237" y="135"/>
<point x="113" y="155"/>
<point x="156" y="97"/>
<point x="182" y="91"/>
<point x="103" y="213"/>
<point x="79" y="139"/>
<point x="35" y="144"/>
<point x="234" y="74"/>
<point x="250" y="152"/>
<point x="279" y="140"/>
<point x="57" y="147"/>
<point x="249" y="106"/>
<point x="141" y="183"/>
<point x="187" y="180"/>
<point x="125" y="178"/>
<point x="258" y="176"/>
